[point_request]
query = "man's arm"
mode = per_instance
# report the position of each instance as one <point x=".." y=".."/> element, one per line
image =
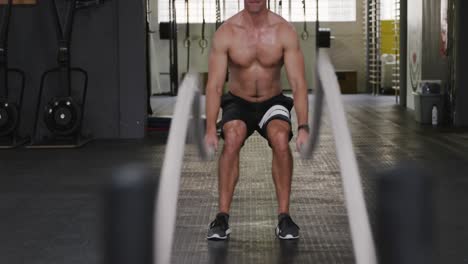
<point x="294" y="64"/>
<point x="217" y="68"/>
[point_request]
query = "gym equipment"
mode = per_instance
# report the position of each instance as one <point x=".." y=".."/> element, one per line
<point x="280" y="7"/>
<point x="405" y="227"/>
<point x="166" y="203"/>
<point x="173" y="49"/>
<point x="63" y="114"/>
<point x="129" y="206"/>
<point x="187" y="41"/>
<point x="203" y="43"/>
<point x="10" y="106"/>
<point x="363" y="244"/>
<point x="305" y="33"/>
<point x="8" y="117"/>
<point x="324" y="38"/>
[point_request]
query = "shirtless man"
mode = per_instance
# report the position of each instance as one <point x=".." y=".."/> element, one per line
<point x="254" y="44"/>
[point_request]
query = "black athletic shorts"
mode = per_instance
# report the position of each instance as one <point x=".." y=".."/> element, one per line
<point x="256" y="115"/>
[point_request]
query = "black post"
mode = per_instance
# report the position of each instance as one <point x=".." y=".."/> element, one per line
<point x="405" y="216"/>
<point x="403" y="51"/>
<point x="460" y="58"/>
<point x="129" y="219"/>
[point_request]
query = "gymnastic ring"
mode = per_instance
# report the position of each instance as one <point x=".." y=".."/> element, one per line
<point x="305" y="35"/>
<point x="187" y="42"/>
<point x="203" y="43"/>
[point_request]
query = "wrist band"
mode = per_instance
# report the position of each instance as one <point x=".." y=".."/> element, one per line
<point x="303" y="126"/>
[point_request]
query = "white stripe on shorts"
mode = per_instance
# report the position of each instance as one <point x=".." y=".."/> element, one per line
<point x="273" y="111"/>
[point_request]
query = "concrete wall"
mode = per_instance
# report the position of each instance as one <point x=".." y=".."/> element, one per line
<point x="347" y="50"/>
<point x="108" y="42"/>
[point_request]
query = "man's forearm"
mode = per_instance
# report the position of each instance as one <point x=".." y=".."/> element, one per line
<point x="301" y="104"/>
<point x="213" y="103"/>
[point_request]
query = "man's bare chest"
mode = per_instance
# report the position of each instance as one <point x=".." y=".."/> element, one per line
<point x="248" y="48"/>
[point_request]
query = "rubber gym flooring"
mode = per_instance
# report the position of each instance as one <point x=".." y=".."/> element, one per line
<point x="51" y="200"/>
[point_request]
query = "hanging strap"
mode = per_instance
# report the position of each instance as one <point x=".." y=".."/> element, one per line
<point x="187" y="33"/>
<point x="203" y="42"/>
<point x="305" y="33"/>
<point x="64" y="33"/>
<point x="187" y="25"/>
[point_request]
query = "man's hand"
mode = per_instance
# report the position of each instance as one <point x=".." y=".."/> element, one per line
<point x="211" y="140"/>
<point x="301" y="140"/>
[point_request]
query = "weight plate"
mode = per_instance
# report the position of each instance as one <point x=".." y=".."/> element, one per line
<point x="9" y="116"/>
<point x="62" y="116"/>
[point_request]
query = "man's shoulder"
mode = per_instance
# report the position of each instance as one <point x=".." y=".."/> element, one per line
<point x="285" y="30"/>
<point x="228" y="29"/>
<point x="284" y="26"/>
<point x="222" y="35"/>
<point x="233" y="22"/>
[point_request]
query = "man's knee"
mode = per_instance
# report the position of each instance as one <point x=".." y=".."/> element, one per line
<point x="278" y="135"/>
<point x="234" y="133"/>
<point x="280" y="141"/>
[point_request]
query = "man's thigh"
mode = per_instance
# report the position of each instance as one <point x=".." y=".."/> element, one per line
<point x="235" y="118"/>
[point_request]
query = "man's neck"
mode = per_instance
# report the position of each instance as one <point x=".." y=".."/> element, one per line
<point x="256" y="20"/>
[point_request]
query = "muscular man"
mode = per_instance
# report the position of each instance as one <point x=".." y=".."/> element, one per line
<point x="254" y="44"/>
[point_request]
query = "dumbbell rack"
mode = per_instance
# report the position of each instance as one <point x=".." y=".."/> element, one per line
<point x="10" y="138"/>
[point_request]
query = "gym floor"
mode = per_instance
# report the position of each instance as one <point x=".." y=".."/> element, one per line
<point x="51" y="200"/>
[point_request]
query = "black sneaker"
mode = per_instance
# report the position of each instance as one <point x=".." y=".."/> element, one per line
<point x="219" y="228"/>
<point x="286" y="228"/>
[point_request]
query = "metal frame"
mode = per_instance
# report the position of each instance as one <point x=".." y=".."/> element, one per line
<point x="396" y="67"/>
<point x="13" y="137"/>
<point x="372" y="29"/>
<point x="64" y="70"/>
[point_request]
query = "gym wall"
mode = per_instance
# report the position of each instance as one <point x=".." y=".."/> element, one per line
<point x="461" y="65"/>
<point x="347" y="51"/>
<point x="109" y="42"/>
<point x="434" y="65"/>
<point x="424" y="59"/>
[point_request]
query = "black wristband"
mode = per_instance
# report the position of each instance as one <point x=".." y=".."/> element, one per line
<point x="303" y="126"/>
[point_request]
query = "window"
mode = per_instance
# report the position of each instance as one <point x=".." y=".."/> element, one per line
<point x="387" y="9"/>
<point x="291" y="10"/>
